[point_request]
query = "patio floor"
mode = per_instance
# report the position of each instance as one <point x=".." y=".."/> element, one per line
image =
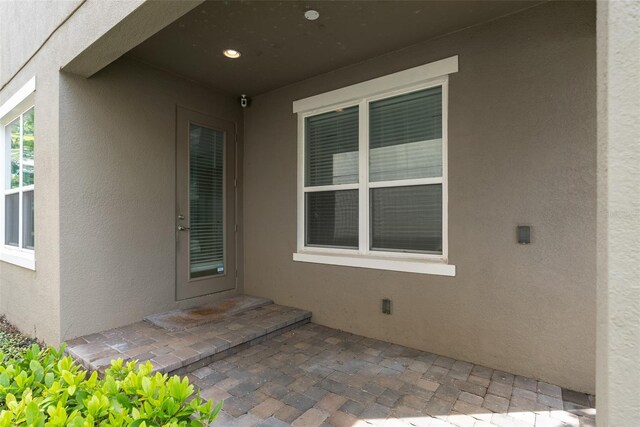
<point x="318" y="376"/>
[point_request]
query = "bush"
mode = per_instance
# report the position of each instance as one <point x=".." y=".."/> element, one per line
<point x="42" y="388"/>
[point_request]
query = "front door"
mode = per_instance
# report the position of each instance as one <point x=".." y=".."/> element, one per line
<point x="205" y="211"/>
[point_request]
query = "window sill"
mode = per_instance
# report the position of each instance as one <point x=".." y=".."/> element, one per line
<point x="437" y="268"/>
<point x="20" y="258"/>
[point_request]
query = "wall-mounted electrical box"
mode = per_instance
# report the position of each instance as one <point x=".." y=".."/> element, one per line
<point x="524" y="234"/>
<point x="386" y="306"/>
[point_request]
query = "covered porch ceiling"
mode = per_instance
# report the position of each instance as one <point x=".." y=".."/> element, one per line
<point x="279" y="46"/>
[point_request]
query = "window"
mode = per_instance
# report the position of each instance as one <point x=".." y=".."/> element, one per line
<point x="372" y="188"/>
<point x="17" y="120"/>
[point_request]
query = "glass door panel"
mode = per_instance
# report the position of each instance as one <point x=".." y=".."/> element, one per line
<point x="206" y="201"/>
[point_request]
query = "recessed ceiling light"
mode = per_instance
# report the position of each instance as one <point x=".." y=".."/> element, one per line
<point x="231" y="53"/>
<point x="312" y="15"/>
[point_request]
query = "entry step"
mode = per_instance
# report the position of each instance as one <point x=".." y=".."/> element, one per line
<point x="182" y="351"/>
<point x="179" y="320"/>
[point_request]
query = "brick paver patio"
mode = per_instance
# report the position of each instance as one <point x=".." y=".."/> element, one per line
<point x="318" y="376"/>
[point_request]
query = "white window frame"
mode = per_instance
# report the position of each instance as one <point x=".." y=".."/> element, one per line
<point x="21" y="102"/>
<point x="362" y="94"/>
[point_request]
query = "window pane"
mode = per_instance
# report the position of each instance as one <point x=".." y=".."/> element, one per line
<point x="405" y="136"/>
<point x="27" y="148"/>
<point x="206" y="201"/>
<point x="331" y="148"/>
<point x="28" y="237"/>
<point x="407" y="219"/>
<point x="11" y="219"/>
<point x="332" y="218"/>
<point x="12" y="136"/>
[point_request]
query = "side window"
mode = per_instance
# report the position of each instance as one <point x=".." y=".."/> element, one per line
<point x="19" y="182"/>
<point x="18" y="139"/>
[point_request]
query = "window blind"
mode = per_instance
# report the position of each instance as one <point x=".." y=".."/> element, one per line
<point x="206" y="201"/>
<point x="407" y="218"/>
<point x="332" y="218"/>
<point x="11" y="219"/>
<point x="28" y="235"/>
<point x="331" y="151"/>
<point x="405" y="136"/>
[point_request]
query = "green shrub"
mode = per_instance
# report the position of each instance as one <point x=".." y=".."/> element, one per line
<point x="42" y="388"/>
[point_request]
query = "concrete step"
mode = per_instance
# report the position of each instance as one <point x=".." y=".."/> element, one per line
<point x="182" y="351"/>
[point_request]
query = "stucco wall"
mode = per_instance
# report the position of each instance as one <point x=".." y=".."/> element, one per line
<point x="24" y="26"/>
<point x="30" y="299"/>
<point x="117" y="169"/>
<point x="618" y="351"/>
<point x="37" y="39"/>
<point x="522" y="149"/>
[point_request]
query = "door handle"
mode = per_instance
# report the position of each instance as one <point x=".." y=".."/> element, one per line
<point x="181" y="228"/>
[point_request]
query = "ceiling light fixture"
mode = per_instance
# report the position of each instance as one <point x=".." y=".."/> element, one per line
<point x="312" y="15"/>
<point x="231" y="53"/>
